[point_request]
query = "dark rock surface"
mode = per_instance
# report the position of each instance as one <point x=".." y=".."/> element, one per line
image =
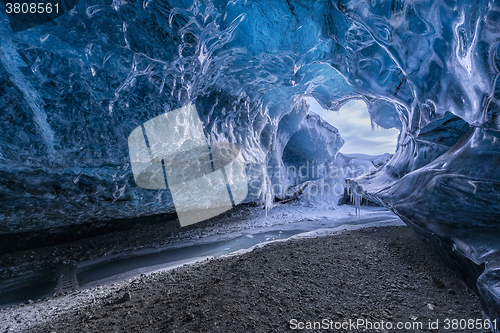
<point x="375" y="274"/>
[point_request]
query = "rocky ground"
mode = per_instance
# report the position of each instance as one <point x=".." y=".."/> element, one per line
<point x="382" y="274"/>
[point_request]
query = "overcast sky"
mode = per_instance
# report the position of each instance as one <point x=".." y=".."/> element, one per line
<point x="354" y="125"/>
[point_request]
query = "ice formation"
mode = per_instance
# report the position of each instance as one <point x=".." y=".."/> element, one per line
<point x="73" y="89"/>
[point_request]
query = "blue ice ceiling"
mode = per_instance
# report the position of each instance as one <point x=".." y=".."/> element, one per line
<point x="74" y="88"/>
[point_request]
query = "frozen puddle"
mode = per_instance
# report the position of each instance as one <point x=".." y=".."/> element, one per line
<point x="133" y="263"/>
<point x="125" y="265"/>
<point x="117" y="270"/>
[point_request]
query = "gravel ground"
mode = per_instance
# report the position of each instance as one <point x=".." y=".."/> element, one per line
<point x="381" y="275"/>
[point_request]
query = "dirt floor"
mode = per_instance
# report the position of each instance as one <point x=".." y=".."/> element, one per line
<point x="364" y="277"/>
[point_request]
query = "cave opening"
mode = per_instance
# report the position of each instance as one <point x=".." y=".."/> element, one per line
<point x="361" y="134"/>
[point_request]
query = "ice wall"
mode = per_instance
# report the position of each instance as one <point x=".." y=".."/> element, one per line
<point x="74" y="88"/>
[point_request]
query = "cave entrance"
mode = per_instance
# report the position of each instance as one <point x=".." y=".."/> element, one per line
<point x="361" y="136"/>
<point x="367" y="146"/>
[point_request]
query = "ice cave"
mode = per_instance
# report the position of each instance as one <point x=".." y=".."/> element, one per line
<point x="75" y="86"/>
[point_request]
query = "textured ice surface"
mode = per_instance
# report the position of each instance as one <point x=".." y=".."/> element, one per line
<point x="72" y="91"/>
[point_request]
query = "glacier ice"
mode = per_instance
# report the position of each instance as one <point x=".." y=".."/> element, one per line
<point x="73" y="89"/>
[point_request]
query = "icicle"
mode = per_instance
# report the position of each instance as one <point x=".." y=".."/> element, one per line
<point x="267" y="195"/>
<point x="357" y="202"/>
<point x="356" y="198"/>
